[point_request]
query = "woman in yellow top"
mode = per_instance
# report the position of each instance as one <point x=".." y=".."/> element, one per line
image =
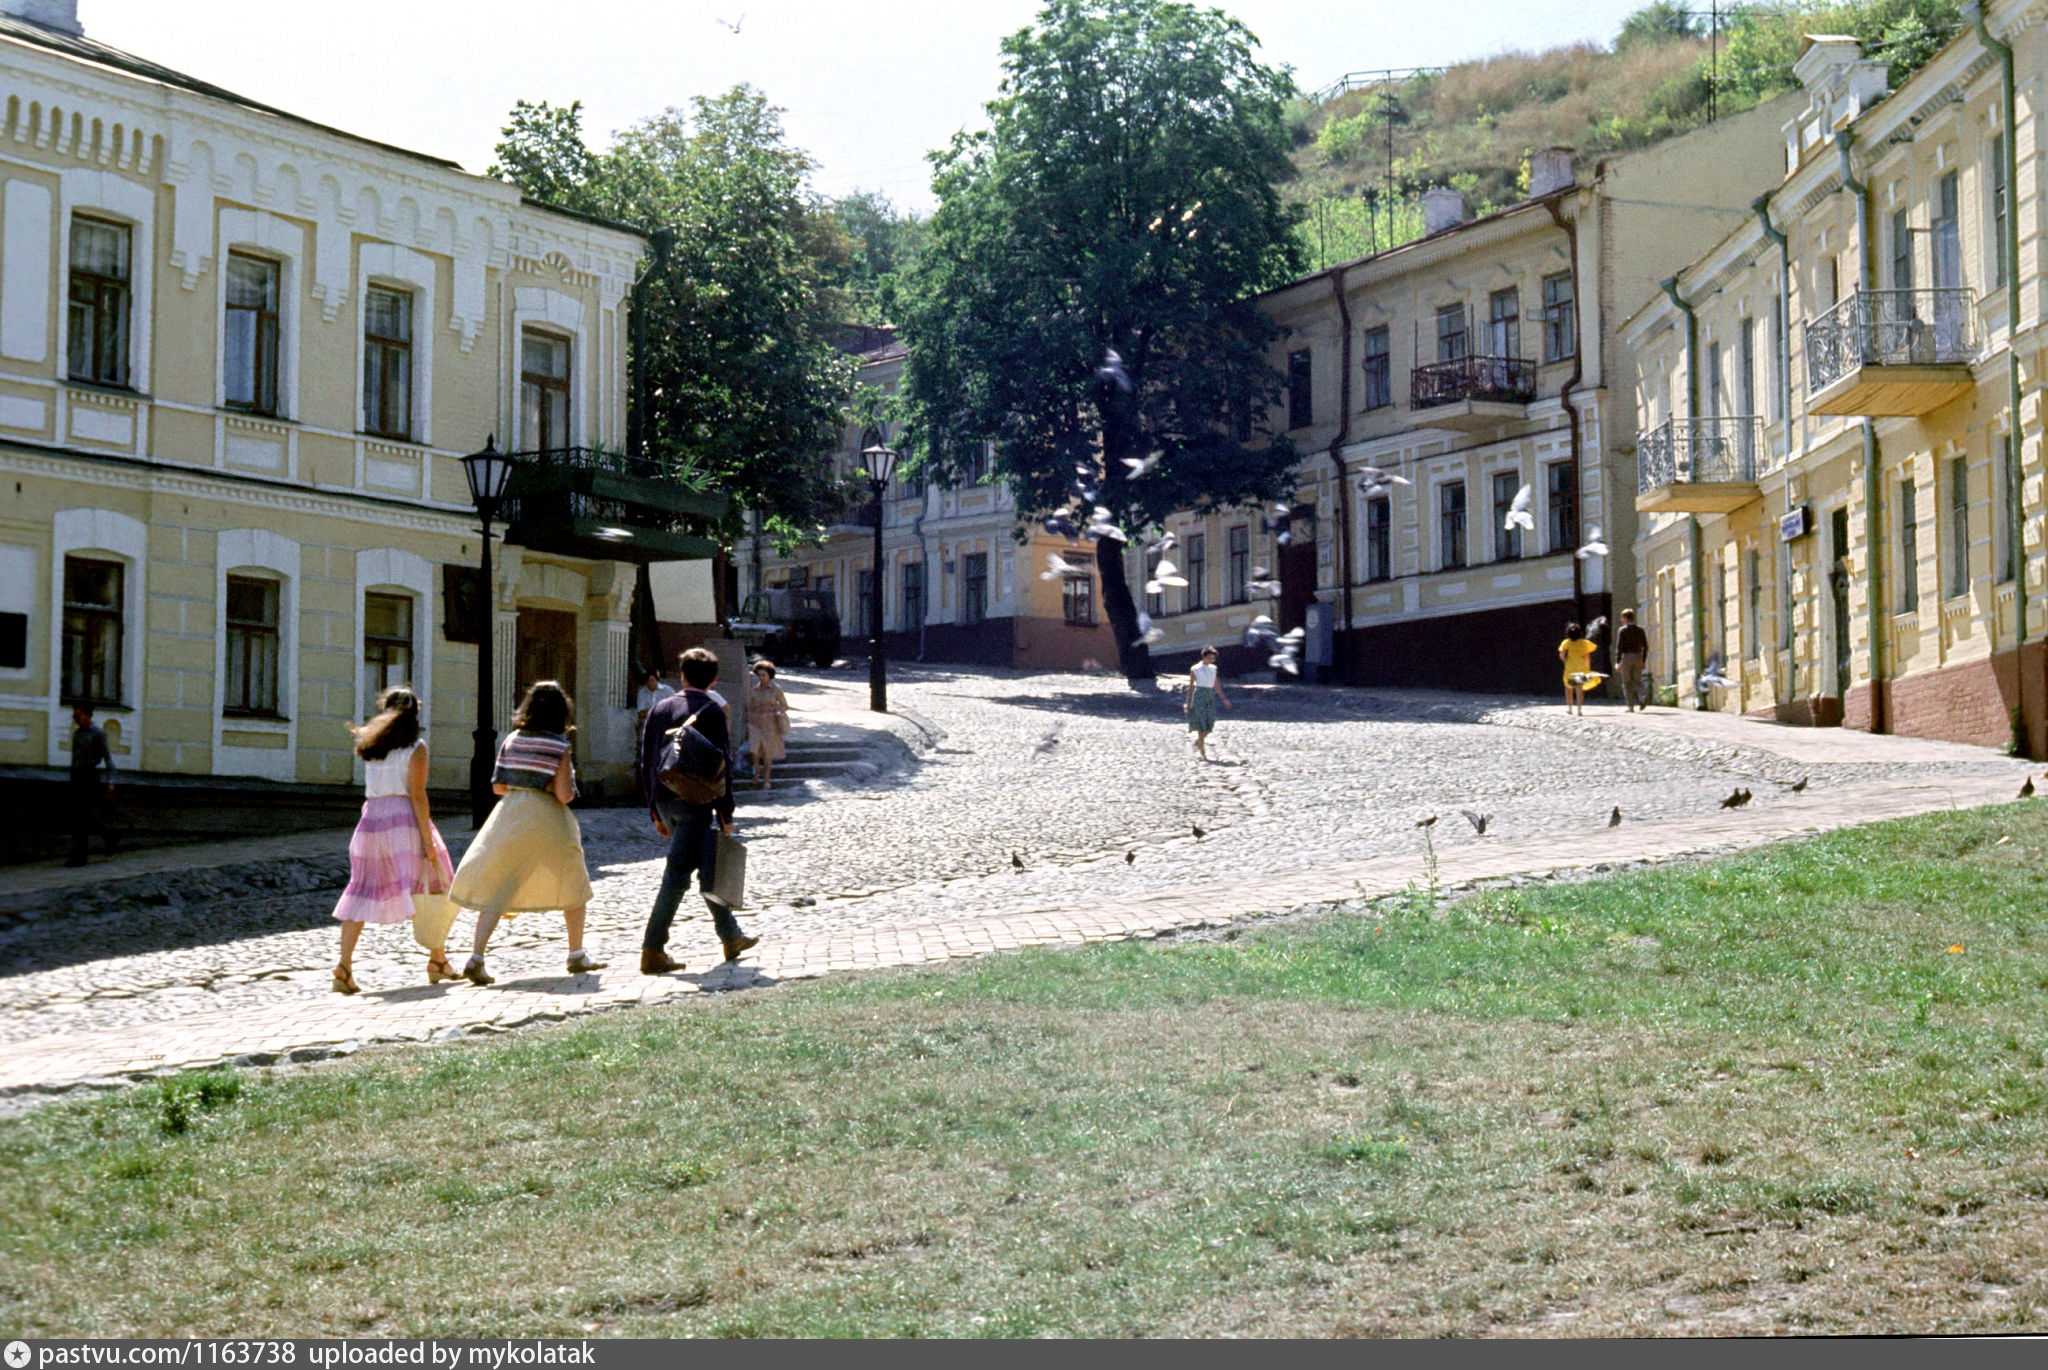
<point x="1577" y="655"/>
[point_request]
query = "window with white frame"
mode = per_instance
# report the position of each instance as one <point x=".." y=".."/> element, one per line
<point x="250" y="623"/>
<point x="1958" y="527"/>
<point x="387" y="645"/>
<point x="544" y="393"/>
<point x="99" y="308"/>
<point x="94" y="627"/>
<point x="1451" y="525"/>
<point x="251" y="334"/>
<point x="387" y="363"/>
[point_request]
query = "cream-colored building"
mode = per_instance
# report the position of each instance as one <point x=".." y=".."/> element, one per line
<point x="963" y="580"/>
<point x="1835" y="510"/>
<point x="1469" y="363"/>
<point x="241" y="355"/>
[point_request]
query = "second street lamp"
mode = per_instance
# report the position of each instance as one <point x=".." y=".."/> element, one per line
<point x="880" y="461"/>
<point x="489" y="472"/>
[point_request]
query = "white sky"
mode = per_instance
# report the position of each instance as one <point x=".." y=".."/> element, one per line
<point x="868" y="87"/>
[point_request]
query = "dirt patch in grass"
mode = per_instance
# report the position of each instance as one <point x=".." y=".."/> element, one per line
<point x="1756" y="1095"/>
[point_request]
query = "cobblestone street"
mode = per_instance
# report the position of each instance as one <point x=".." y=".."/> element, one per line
<point x="1311" y="797"/>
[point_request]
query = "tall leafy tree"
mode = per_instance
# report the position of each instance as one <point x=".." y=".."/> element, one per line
<point x="743" y="383"/>
<point x="1122" y="200"/>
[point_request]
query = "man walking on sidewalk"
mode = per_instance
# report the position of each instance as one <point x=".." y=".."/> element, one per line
<point x="1631" y="657"/>
<point x="691" y="828"/>
<point x="90" y="754"/>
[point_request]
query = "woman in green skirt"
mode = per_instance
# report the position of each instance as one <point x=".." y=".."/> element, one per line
<point x="1203" y="695"/>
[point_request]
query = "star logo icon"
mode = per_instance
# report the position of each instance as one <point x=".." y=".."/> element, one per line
<point x="17" y="1355"/>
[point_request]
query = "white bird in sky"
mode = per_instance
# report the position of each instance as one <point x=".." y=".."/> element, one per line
<point x="1167" y="542"/>
<point x="1166" y="573"/>
<point x="1103" y="525"/>
<point x="1057" y="566"/>
<point x="1594" y="546"/>
<point x="1518" y="512"/>
<point x="1147" y="634"/>
<point x="733" y="25"/>
<point x="1372" y="478"/>
<point x="1141" y="466"/>
<point x="1112" y="371"/>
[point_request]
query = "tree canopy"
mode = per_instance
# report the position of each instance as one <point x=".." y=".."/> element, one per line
<point x="743" y="383"/>
<point x="1122" y="199"/>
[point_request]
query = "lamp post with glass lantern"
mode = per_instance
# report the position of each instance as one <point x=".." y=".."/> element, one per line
<point x="488" y="471"/>
<point x="880" y="461"/>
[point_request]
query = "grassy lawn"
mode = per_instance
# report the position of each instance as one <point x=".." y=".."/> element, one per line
<point x="1802" y="1089"/>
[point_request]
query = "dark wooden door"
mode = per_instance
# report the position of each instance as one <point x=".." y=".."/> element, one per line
<point x="546" y="651"/>
<point x="1297" y="581"/>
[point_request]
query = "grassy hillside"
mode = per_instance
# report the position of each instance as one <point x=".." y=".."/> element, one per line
<point x="1473" y="125"/>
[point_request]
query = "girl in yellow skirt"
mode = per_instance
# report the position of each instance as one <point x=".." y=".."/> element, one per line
<point x="529" y="855"/>
<point x="1576" y="652"/>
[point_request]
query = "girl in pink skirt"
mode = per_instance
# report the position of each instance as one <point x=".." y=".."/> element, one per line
<point x="395" y="850"/>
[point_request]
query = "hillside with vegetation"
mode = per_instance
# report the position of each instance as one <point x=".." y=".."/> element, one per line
<point x="1364" y="154"/>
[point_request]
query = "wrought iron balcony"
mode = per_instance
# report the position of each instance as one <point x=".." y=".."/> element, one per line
<point x="1891" y="352"/>
<point x="1700" y="466"/>
<point x="1472" y="392"/>
<point x="607" y="505"/>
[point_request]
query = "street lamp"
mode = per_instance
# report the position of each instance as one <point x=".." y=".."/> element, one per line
<point x="488" y="471"/>
<point x="879" y="460"/>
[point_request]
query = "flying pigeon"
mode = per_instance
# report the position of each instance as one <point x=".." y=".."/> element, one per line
<point x="1167" y="542"/>
<point x="1585" y="680"/>
<point x="1614" y="819"/>
<point x="1141" y="466"/>
<point x="1518" y="512"/>
<point x="1166" y="573"/>
<point x="1112" y="372"/>
<point x="1059" y="525"/>
<point x="1262" y="589"/>
<point x="1373" y="478"/>
<point x="1048" y="743"/>
<point x="1712" y="679"/>
<point x="1477" y="820"/>
<point x="1081" y="490"/>
<point x="1148" y="635"/>
<point x="1594" y="546"/>
<point x="1057" y="566"/>
<point x="1596" y="627"/>
<point x="1103" y="525"/>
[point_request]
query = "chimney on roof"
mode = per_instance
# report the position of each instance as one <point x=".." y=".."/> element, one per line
<point x="61" y="15"/>
<point x="1442" y="208"/>
<point x="1549" y="170"/>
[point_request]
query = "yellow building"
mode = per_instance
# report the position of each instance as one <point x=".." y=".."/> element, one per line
<point x="1468" y="364"/>
<point x="1835" y="509"/>
<point x="240" y="357"/>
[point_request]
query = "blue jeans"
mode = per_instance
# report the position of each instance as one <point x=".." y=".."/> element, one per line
<point x="692" y="849"/>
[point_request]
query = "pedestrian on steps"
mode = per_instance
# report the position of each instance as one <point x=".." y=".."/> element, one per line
<point x="767" y="722"/>
<point x="395" y="850"/>
<point x="692" y="829"/>
<point x="528" y="857"/>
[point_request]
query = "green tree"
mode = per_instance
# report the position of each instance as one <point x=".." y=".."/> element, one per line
<point x="882" y="241"/>
<point x="743" y="383"/>
<point x="1123" y="199"/>
<point x="1661" y="21"/>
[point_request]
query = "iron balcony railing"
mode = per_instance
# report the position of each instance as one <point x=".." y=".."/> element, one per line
<point x="1503" y="380"/>
<point x="1931" y="327"/>
<point x="1691" y="451"/>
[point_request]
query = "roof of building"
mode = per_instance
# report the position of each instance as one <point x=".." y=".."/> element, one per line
<point x="92" y="50"/>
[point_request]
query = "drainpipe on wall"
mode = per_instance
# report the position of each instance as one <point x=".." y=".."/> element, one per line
<point x="1692" y="521"/>
<point x="1343" y="473"/>
<point x="1873" y="479"/>
<point x="1762" y="206"/>
<point x="1564" y="399"/>
<point x="924" y="593"/>
<point x="2015" y="508"/>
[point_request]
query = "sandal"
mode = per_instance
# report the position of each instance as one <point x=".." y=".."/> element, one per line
<point x="344" y="982"/>
<point x="438" y="969"/>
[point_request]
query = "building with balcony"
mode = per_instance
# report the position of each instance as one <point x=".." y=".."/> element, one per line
<point x="241" y="355"/>
<point x="962" y="579"/>
<point x="1835" y="513"/>
<point x="1468" y="364"/>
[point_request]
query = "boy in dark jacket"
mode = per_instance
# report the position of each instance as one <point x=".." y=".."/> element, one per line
<point x="690" y="828"/>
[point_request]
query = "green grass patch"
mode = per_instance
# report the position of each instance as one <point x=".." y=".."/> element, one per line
<point x="1799" y="1090"/>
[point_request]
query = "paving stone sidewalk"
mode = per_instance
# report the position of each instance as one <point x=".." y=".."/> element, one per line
<point x="1185" y="882"/>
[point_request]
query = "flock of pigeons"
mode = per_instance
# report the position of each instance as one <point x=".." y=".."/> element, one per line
<point x="1741" y="796"/>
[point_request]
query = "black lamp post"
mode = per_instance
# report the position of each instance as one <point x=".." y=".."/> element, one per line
<point x="489" y="471"/>
<point x="880" y="461"/>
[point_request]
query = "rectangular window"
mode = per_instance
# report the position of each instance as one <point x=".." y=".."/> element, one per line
<point x="1504" y="323"/>
<point x="864" y="608"/>
<point x="249" y="347"/>
<point x="1902" y="252"/>
<point x="1196" y="596"/>
<point x="1948" y="232"/>
<point x="543" y="392"/>
<point x="1561" y="494"/>
<point x="1753" y="607"/>
<point x="1719" y="640"/>
<point x="1450" y="333"/>
<point x="387" y="645"/>
<point x="1379" y="539"/>
<point x="1077" y="598"/>
<point x="913" y="596"/>
<point x="1237" y="570"/>
<point x="1829" y="283"/>
<point x="2001" y="216"/>
<point x="974" y="588"/>
<point x="1745" y="368"/>
<point x="251" y="623"/>
<point x="2001" y="507"/>
<point x="13" y="642"/>
<point x="1713" y="379"/>
<point x="98" y="323"/>
<point x="1958" y="527"/>
<point x="93" y="628"/>
<point x="1909" y="548"/>
<point x="1777" y="351"/>
<point x="1379" y="368"/>
<point x="1507" y="542"/>
<point x="387" y="363"/>
<point x="1560" y="318"/>
<point x="1301" y="395"/>
<point x="1451" y="525"/>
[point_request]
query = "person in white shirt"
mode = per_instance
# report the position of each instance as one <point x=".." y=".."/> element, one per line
<point x="652" y="692"/>
<point x="1199" y="704"/>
